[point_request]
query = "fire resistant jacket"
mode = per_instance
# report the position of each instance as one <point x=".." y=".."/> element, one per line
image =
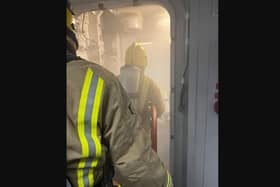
<point x="103" y="130"/>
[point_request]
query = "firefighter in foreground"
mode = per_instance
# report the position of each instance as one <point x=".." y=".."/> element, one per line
<point x="147" y="94"/>
<point x="104" y="134"/>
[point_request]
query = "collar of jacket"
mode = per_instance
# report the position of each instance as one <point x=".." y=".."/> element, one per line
<point x="71" y="40"/>
<point x="70" y="56"/>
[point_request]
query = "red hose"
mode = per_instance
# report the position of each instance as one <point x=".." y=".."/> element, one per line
<point x="154" y="128"/>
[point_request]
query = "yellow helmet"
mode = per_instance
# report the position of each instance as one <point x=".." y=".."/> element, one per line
<point x="72" y="42"/>
<point x="136" y="55"/>
<point x="69" y="16"/>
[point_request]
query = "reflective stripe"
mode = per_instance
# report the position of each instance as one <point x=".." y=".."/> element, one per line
<point x="94" y="134"/>
<point x="68" y="183"/>
<point x="168" y="180"/>
<point x="87" y="128"/>
<point x="81" y="127"/>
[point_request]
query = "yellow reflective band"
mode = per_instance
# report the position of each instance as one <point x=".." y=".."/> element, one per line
<point x="68" y="18"/>
<point x="89" y="105"/>
<point x="81" y="127"/>
<point x="168" y="182"/>
<point x="95" y="118"/>
<point x="168" y="179"/>
<point x="90" y="177"/>
<point x="94" y="135"/>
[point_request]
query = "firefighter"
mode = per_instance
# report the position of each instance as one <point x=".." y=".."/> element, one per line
<point x="104" y="136"/>
<point x="148" y="93"/>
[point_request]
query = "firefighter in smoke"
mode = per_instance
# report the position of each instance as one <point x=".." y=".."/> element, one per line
<point x="104" y="136"/>
<point x="142" y="90"/>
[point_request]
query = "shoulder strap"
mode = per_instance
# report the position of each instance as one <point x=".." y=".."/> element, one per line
<point x="144" y="93"/>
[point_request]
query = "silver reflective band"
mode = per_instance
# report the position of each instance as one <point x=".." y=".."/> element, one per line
<point x="68" y="183"/>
